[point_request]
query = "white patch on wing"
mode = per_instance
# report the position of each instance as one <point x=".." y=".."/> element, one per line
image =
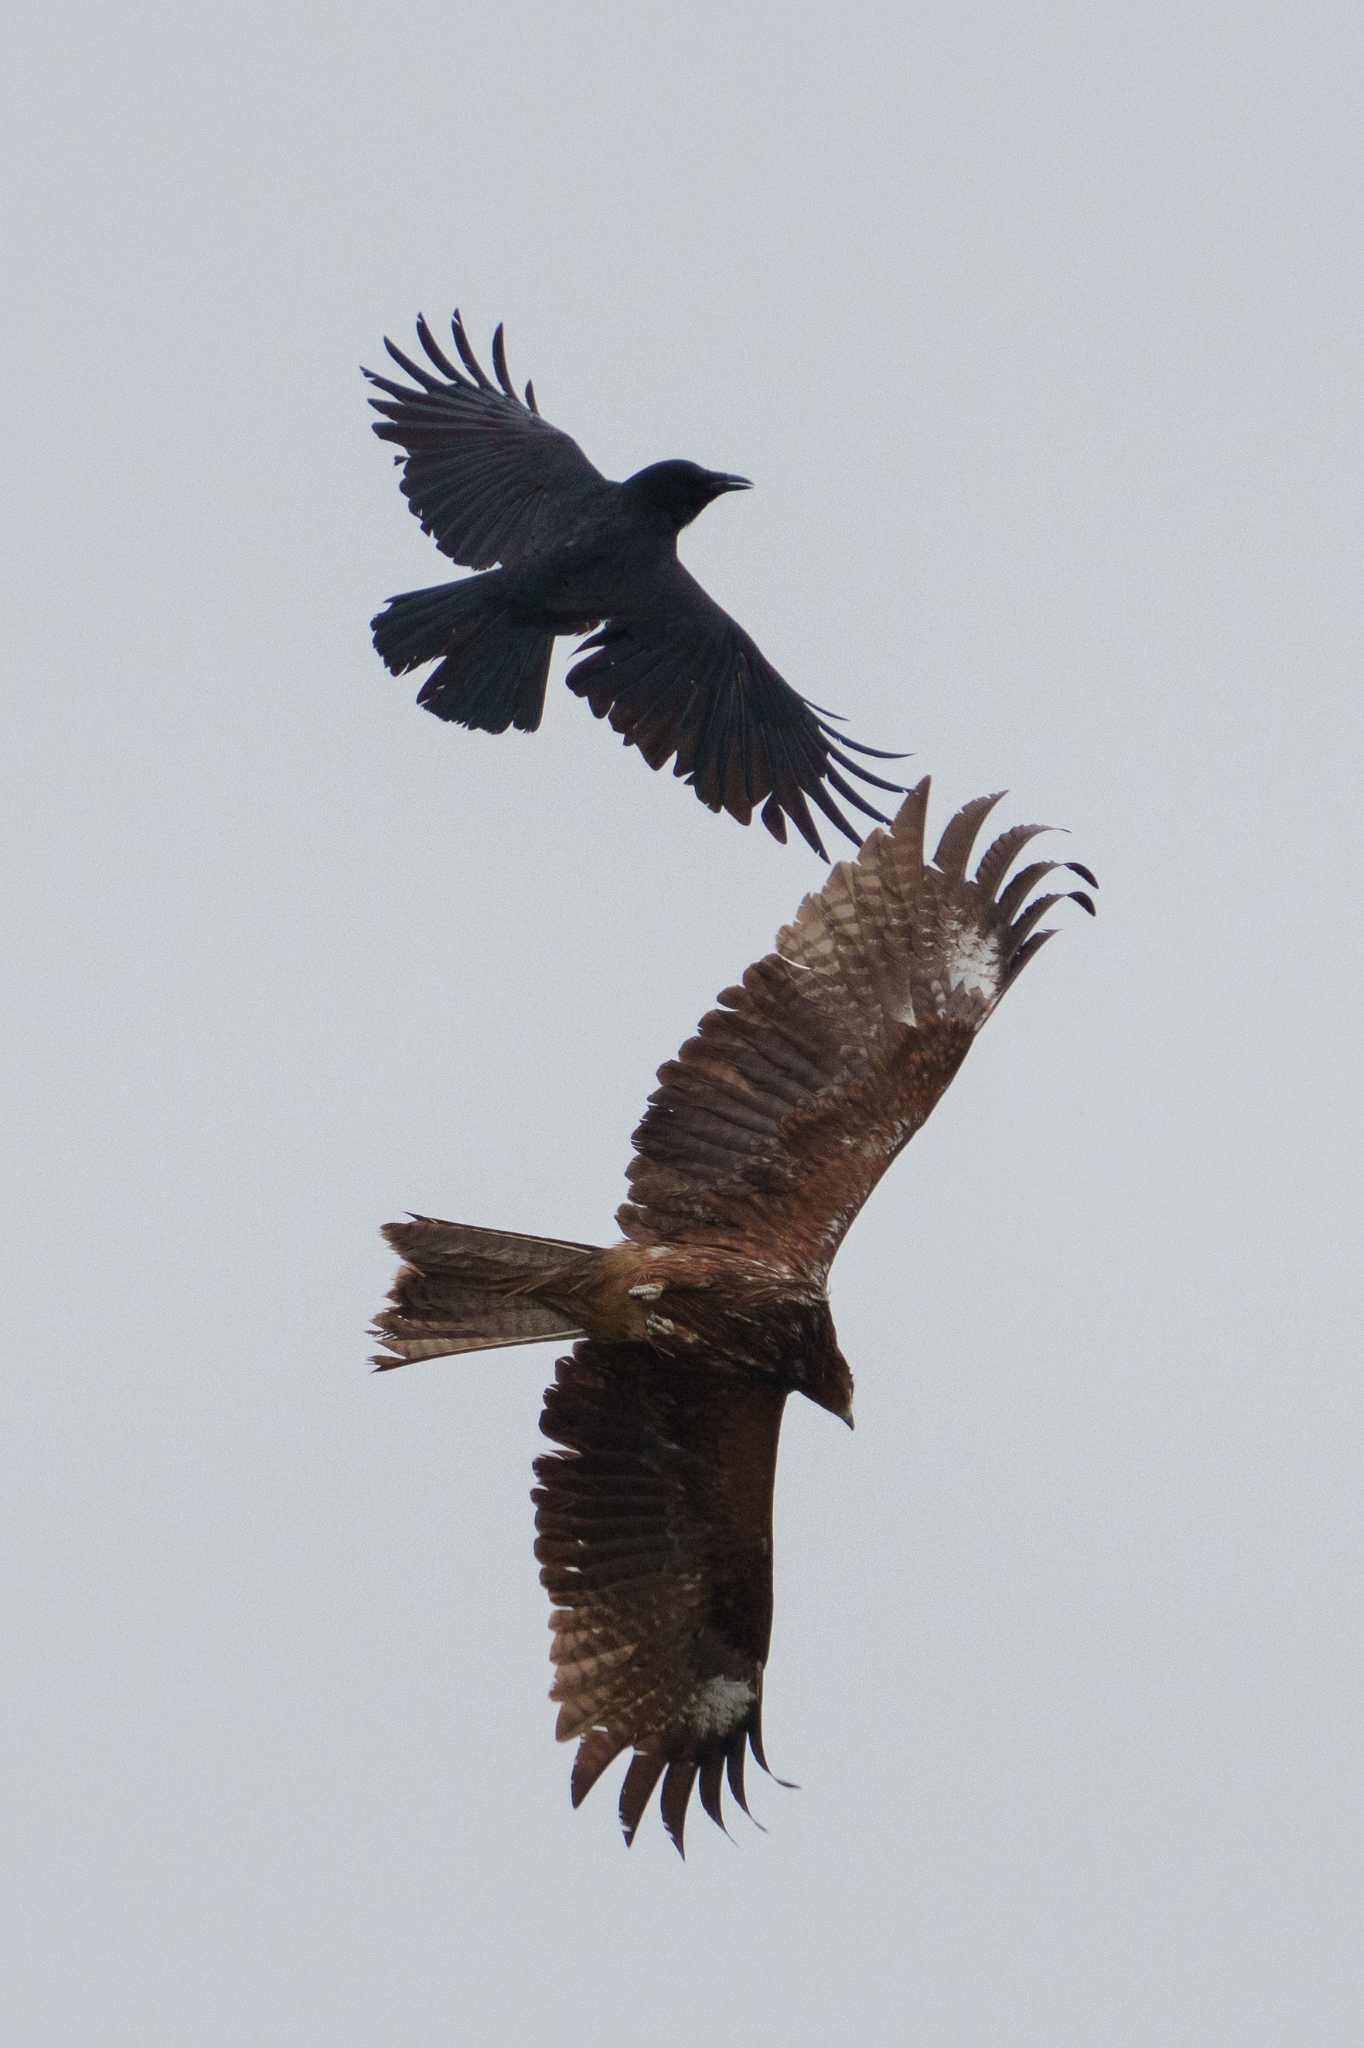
<point x="973" y="960"/>
<point x="719" y="1705"/>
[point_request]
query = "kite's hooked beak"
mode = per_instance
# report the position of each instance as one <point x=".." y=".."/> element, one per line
<point x="833" y="1389"/>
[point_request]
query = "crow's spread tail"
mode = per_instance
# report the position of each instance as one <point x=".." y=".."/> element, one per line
<point x="465" y="1289"/>
<point x="492" y="671"/>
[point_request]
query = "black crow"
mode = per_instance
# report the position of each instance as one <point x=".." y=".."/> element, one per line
<point x="493" y="483"/>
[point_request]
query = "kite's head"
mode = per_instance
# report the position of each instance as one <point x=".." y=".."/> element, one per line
<point x="835" y="1390"/>
<point x="677" y="491"/>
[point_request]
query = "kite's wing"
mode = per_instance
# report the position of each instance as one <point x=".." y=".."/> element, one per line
<point x="774" y="1124"/>
<point x="655" y="1542"/>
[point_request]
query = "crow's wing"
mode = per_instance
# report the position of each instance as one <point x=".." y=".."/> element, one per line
<point x="774" y="1124"/>
<point x="654" y="1521"/>
<point x="676" y="675"/>
<point x="488" y="478"/>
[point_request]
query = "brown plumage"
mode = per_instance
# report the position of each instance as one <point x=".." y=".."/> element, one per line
<point x="762" y="1141"/>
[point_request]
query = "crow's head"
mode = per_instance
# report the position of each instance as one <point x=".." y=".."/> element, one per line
<point x="677" y="491"/>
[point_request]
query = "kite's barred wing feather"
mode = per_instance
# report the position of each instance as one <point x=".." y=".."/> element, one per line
<point x="775" y="1122"/>
<point x="654" y="1520"/>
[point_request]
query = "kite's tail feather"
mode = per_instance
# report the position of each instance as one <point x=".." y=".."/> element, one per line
<point x="466" y="1289"/>
<point x="492" y="671"/>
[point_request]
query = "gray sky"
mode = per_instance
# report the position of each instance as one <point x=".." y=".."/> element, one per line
<point x="1038" y="330"/>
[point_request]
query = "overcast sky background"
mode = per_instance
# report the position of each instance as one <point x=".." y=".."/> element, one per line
<point x="1038" y="330"/>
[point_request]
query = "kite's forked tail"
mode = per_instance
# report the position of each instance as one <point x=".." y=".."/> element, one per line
<point x="466" y="1289"/>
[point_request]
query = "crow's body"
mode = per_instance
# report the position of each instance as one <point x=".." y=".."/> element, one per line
<point x="494" y="484"/>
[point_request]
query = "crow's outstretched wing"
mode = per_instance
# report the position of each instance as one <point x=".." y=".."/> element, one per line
<point x="774" y="1124"/>
<point x="488" y="478"/>
<point x="676" y="675"/>
<point x="654" y="1521"/>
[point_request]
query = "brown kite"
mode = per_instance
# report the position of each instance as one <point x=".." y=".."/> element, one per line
<point x="762" y="1141"/>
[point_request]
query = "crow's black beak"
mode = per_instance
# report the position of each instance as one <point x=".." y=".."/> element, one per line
<point x="732" y="483"/>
